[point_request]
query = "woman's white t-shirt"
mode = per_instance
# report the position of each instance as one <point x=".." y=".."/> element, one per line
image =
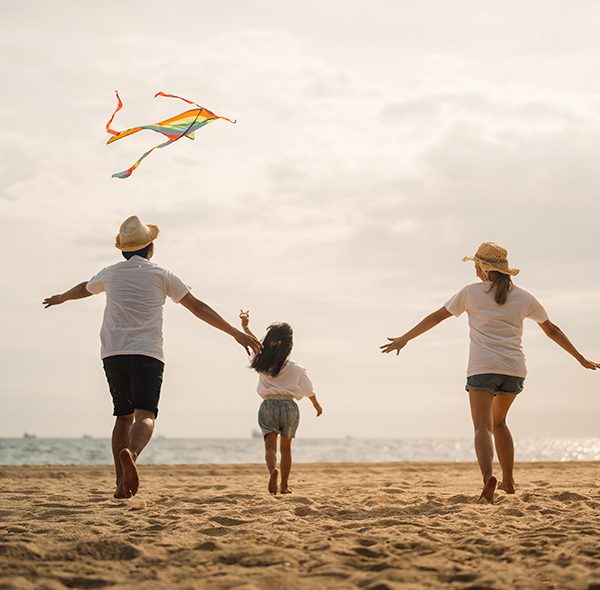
<point x="496" y="331"/>
<point x="291" y="380"/>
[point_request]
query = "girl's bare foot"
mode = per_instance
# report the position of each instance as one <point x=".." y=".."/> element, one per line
<point x="507" y="486"/>
<point x="285" y="490"/>
<point x="273" y="482"/>
<point x="121" y="492"/>
<point x="487" y="494"/>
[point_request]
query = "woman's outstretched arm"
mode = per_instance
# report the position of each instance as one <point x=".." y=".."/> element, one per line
<point x="555" y="333"/>
<point x="432" y="320"/>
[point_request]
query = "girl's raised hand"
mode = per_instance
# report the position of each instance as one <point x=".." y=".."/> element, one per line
<point x="245" y="317"/>
<point x="396" y="344"/>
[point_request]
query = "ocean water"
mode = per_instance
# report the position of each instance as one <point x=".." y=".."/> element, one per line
<point x="161" y="450"/>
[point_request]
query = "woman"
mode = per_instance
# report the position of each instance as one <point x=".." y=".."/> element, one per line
<point x="496" y="371"/>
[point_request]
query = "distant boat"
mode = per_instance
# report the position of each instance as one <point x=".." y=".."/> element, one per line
<point x="87" y="436"/>
<point x="29" y="435"/>
<point x="257" y="434"/>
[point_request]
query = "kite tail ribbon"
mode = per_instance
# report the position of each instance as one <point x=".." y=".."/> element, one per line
<point x="212" y="115"/>
<point x="127" y="173"/>
<point x="119" y="134"/>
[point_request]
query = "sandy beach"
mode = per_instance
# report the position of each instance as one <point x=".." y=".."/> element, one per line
<point x="363" y="526"/>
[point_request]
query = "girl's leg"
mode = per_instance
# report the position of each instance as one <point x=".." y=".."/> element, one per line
<point x="271" y="460"/>
<point x="503" y="439"/>
<point x="285" y="446"/>
<point x="481" y="412"/>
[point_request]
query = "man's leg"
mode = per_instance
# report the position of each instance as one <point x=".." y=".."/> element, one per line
<point x="481" y="412"/>
<point x="503" y="440"/>
<point x="271" y="460"/>
<point x="120" y="440"/>
<point x="285" y="446"/>
<point x="139" y="436"/>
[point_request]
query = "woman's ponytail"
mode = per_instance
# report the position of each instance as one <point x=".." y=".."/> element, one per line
<point x="501" y="285"/>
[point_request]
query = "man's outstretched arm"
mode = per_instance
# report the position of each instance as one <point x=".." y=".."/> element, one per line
<point x="77" y="292"/>
<point x="212" y="318"/>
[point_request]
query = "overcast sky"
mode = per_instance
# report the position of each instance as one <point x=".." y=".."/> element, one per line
<point x="375" y="146"/>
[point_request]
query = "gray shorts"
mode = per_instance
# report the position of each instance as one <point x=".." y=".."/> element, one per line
<point x="279" y="415"/>
<point x="495" y="383"/>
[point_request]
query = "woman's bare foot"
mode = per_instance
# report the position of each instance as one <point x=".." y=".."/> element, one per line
<point x="487" y="494"/>
<point x="131" y="479"/>
<point x="285" y="489"/>
<point x="507" y="486"/>
<point x="273" y="482"/>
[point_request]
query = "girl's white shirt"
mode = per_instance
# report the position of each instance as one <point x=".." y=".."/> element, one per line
<point x="496" y="331"/>
<point x="291" y="380"/>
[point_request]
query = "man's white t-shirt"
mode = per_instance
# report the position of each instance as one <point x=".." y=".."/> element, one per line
<point x="136" y="290"/>
<point x="291" y="380"/>
<point x="496" y="331"/>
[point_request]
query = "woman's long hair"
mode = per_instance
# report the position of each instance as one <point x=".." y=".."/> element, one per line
<point x="501" y="285"/>
<point x="277" y="346"/>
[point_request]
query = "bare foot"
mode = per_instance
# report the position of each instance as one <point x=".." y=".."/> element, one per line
<point x="285" y="489"/>
<point x="487" y="494"/>
<point x="507" y="487"/>
<point x="121" y="492"/>
<point x="273" y="482"/>
<point x="131" y="479"/>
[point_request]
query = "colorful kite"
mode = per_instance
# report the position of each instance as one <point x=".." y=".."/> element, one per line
<point x="182" y="125"/>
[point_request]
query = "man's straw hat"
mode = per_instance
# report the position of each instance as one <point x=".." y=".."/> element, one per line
<point x="134" y="235"/>
<point x="491" y="256"/>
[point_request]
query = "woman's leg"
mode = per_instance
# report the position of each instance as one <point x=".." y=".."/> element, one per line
<point x="503" y="439"/>
<point x="285" y="446"/>
<point x="271" y="460"/>
<point x="481" y="412"/>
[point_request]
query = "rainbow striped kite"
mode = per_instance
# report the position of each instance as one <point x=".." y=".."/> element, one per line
<point x="182" y="125"/>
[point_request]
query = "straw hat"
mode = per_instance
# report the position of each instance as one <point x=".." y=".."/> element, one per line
<point x="491" y="256"/>
<point x="134" y="235"/>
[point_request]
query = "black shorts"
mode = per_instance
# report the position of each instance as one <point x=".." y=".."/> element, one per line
<point x="134" y="381"/>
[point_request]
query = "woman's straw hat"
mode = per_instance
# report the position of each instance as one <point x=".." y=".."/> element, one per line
<point x="491" y="256"/>
<point x="134" y="235"/>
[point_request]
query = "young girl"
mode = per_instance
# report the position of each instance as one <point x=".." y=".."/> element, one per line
<point x="280" y="382"/>
<point x="496" y="371"/>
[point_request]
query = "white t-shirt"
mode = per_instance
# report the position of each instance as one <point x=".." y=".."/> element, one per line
<point x="496" y="331"/>
<point x="291" y="380"/>
<point x="136" y="290"/>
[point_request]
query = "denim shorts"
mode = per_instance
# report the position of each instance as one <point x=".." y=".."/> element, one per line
<point x="134" y="381"/>
<point x="495" y="383"/>
<point x="279" y="415"/>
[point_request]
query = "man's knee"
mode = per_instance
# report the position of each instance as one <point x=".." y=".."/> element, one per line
<point x="141" y="414"/>
<point x="499" y="424"/>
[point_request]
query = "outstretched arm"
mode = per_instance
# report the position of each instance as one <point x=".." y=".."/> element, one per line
<point x="77" y="292"/>
<point x="432" y="320"/>
<point x="555" y="333"/>
<point x="245" y="319"/>
<point x="212" y="318"/>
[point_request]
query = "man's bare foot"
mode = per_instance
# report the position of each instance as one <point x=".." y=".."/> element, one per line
<point x="131" y="479"/>
<point x="507" y="487"/>
<point x="285" y="489"/>
<point x="121" y="492"/>
<point x="487" y="494"/>
<point x="273" y="482"/>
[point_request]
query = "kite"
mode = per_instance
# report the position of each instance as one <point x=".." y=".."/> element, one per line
<point x="182" y="125"/>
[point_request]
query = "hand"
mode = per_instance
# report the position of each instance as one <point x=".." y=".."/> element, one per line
<point x="589" y="364"/>
<point x="54" y="300"/>
<point x="245" y="317"/>
<point x="248" y="342"/>
<point x="318" y="408"/>
<point x="396" y="344"/>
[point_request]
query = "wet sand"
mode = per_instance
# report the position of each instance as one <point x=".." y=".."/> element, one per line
<point x="352" y="526"/>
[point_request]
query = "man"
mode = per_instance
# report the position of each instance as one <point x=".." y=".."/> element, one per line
<point x="131" y="338"/>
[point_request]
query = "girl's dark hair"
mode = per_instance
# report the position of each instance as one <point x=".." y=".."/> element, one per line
<point x="277" y="346"/>
<point x="501" y="285"/>
<point x="143" y="252"/>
